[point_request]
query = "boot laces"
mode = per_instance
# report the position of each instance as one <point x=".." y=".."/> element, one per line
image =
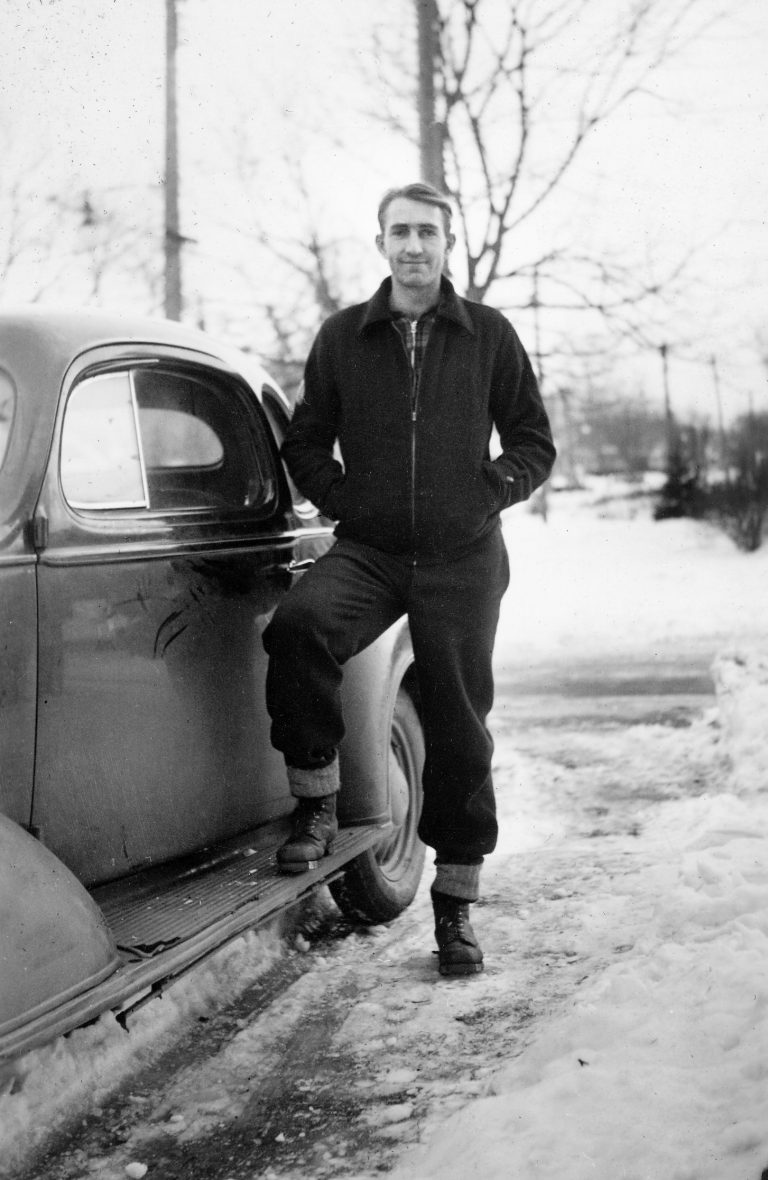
<point x="309" y="823"/>
<point x="454" y="925"/>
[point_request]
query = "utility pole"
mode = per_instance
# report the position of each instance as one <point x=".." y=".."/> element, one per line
<point x="173" y="239"/>
<point x="673" y="448"/>
<point x="720" y="425"/>
<point x="536" y="305"/>
<point x="430" y="130"/>
<point x="540" y="501"/>
<point x="664" y="352"/>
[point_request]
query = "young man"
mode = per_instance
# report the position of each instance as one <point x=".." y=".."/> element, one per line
<point x="410" y="385"/>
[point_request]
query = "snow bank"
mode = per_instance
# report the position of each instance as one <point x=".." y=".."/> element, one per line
<point x="741" y="678"/>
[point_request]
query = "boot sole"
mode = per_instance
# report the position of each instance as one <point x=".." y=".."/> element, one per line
<point x="460" y="968"/>
<point x="297" y="866"/>
<point x="301" y="866"/>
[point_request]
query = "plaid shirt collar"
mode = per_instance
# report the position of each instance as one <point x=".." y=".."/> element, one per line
<point x="415" y="334"/>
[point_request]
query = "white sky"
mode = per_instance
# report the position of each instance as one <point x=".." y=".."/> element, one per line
<point x="81" y="88"/>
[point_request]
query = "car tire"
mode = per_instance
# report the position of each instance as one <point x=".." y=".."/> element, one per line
<point x="382" y="881"/>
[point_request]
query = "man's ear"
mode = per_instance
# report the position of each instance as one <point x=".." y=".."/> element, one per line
<point x="380" y="245"/>
<point x="450" y="242"/>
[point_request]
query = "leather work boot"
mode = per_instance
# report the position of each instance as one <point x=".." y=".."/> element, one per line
<point x="314" y="828"/>
<point x="458" y="952"/>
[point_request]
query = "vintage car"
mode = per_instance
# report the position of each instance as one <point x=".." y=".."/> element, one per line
<point x="147" y="531"/>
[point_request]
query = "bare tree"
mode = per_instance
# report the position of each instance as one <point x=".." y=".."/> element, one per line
<point x="311" y="286"/>
<point x="114" y="243"/>
<point x="285" y="274"/>
<point x="524" y="85"/>
<point x="31" y="230"/>
<point x="68" y="242"/>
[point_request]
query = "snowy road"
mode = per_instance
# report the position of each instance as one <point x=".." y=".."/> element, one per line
<point x="352" y="1050"/>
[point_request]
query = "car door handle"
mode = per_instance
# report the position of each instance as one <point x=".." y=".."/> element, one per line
<point x="298" y="567"/>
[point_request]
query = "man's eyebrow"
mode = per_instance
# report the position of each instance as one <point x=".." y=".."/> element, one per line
<point x="417" y="224"/>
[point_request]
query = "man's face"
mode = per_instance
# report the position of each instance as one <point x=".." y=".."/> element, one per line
<point x="414" y="243"/>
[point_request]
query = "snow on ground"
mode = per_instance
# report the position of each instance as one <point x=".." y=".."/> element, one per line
<point x="656" y="1066"/>
<point x="658" y="1069"/>
<point x="602" y="576"/>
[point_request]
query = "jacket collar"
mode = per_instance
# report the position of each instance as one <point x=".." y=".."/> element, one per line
<point x="450" y="307"/>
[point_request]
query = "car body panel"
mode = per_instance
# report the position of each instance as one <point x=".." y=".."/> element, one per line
<point x="18" y="684"/>
<point x="56" y="943"/>
<point x="169" y="649"/>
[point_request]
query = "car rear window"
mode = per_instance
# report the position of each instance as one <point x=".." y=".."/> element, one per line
<point x="7" y="406"/>
<point x="162" y="439"/>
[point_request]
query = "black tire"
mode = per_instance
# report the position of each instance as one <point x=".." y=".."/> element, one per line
<point x="380" y="883"/>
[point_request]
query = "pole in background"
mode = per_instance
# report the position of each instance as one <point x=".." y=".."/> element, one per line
<point x="673" y="441"/>
<point x="430" y="130"/>
<point x="173" y="238"/>
<point x="720" y="423"/>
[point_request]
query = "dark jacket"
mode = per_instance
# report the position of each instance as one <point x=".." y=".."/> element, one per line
<point x="418" y="479"/>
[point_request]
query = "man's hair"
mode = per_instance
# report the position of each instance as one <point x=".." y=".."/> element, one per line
<point x="420" y="191"/>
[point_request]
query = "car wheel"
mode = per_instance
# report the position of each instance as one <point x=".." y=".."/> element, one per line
<point x="381" y="882"/>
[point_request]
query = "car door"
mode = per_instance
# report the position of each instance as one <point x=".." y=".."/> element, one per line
<point x="166" y="538"/>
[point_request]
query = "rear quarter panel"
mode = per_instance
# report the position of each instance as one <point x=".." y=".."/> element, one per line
<point x="18" y="649"/>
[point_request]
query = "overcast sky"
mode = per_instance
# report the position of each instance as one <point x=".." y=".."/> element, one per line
<point x="81" y="87"/>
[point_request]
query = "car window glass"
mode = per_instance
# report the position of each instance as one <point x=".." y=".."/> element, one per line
<point x="198" y="450"/>
<point x="163" y="439"/>
<point x="172" y="438"/>
<point x="7" y="406"/>
<point x="100" y="456"/>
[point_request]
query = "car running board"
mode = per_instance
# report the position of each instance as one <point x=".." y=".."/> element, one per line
<point x="167" y="920"/>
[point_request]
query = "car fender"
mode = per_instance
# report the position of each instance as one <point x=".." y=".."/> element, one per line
<point x="54" y="943"/>
<point x="369" y="689"/>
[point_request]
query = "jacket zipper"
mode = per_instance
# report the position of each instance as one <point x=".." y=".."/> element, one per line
<point x="414" y="407"/>
<point x="410" y="356"/>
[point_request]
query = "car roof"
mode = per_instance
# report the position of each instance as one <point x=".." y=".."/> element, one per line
<point x="52" y="338"/>
<point x="67" y="332"/>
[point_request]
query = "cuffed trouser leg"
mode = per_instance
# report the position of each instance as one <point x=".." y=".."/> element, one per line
<point x="314" y="782"/>
<point x="453" y="610"/>
<point x="459" y="881"/>
<point x="340" y="606"/>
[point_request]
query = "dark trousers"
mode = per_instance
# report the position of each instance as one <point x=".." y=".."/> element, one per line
<point x="340" y="606"/>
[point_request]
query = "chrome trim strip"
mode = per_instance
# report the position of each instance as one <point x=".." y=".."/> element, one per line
<point x="137" y="428"/>
<point x="18" y="559"/>
<point x="154" y="550"/>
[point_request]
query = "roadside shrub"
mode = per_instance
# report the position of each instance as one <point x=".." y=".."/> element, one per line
<point x="681" y="492"/>
<point x="740" y="509"/>
<point x="739" y="503"/>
